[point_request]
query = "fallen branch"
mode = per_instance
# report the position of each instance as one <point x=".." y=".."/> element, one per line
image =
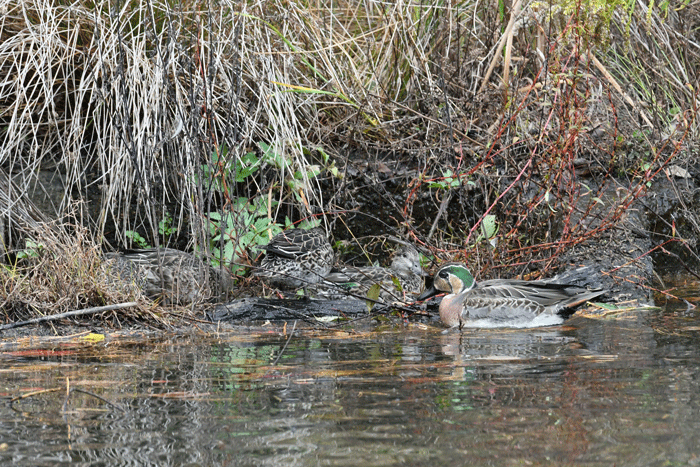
<point x="68" y="314"/>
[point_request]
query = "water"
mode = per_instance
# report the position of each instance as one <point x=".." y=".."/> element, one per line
<point x="622" y="391"/>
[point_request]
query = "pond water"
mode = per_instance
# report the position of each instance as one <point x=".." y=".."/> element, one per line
<point x="600" y="392"/>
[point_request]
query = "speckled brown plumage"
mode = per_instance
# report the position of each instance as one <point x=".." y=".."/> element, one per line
<point x="402" y="280"/>
<point x="296" y="258"/>
<point x="168" y="275"/>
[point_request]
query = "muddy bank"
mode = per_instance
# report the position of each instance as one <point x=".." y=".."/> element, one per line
<point x="617" y="227"/>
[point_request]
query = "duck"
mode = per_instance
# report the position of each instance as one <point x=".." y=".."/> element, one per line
<point x="168" y="275"/>
<point x="403" y="278"/>
<point x="296" y="258"/>
<point x="502" y="302"/>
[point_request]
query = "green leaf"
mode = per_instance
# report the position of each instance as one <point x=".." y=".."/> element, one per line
<point x="309" y="223"/>
<point x="334" y="171"/>
<point x="372" y="294"/>
<point x="137" y="239"/>
<point x="247" y="239"/>
<point x="313" y="171"/>
<point x="262" y="225"/>
<point x="165" y="227"/>
<point x="250" y="158"/>
<point x="228" y="252"/>
<point x="489" y="226"/>
<point x="32" y="250"/>
<point x="271" y="157"/>
<point x="246" y="166"/>
<point x="323" y="154"/>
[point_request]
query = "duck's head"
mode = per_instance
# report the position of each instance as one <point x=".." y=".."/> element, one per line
<point x="451" y="278"/>
<point x="407" y="262"/>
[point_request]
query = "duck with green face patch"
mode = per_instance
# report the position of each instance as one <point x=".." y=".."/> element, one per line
<point x="501" y="302"/>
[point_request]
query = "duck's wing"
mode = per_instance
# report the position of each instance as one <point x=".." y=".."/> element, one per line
<point x="543" y="293"/>
<point x="363" y="275"/>
<point x="293" y="243"/>
<point x="157" y="258"/>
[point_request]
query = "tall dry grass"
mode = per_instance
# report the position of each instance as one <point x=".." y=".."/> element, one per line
<point x="129" y="100"/>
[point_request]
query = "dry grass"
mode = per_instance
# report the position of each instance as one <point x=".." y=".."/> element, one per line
<point x="130" y="101"/>
<point x="67" y="273"/>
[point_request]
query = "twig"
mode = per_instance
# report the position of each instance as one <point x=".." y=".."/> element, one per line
<point x="111" y="404"/>
<point x="508" y="33"/>
<point x="188" y="318"/>
<point x="34" y="393"/>
<point x="68" y="314"/>
<point x="70" y="391"/>
<point x="285" y="344"/>
<point x="441" y="211"/>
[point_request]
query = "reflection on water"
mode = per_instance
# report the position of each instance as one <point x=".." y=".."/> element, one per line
<point x="622" y="391"/>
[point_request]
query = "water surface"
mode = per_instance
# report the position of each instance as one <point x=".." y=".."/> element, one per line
<point x="599" y="392"/>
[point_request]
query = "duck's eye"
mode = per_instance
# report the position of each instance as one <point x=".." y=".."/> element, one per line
<point x="443" y="274"/>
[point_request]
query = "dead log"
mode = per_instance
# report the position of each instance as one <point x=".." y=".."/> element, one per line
<point x="263" y="309"/>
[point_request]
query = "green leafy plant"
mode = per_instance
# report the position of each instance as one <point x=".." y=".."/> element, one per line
<point x="645" y="168"/>
<point x="165" y="227"/>
<point x="299" y="178"/>
<point x="489" y="229"/>
<point x="32" y="250"/>
<point x="137" y="239"/>
<point x="244" y="230"/>
<point x="271" y="156"/>
<point x="245" y="226"/>
<point x="223" y="167"/>
<point x="235" y="233"/>
<point x="450" y="180"/>
<point x="330" y="167"/>
<point x="373" y="296"/>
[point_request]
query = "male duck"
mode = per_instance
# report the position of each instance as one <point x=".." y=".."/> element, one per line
<point x="500" y="301"/>
<point x="296" y="258"/>
<point x="403" y="278"/>
<point x="171" y="276"/>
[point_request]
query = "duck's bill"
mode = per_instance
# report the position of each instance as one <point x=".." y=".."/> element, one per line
<point x="429" y="292"/>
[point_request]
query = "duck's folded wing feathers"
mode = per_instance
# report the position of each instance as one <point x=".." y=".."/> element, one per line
<point x="543" y="293"/>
